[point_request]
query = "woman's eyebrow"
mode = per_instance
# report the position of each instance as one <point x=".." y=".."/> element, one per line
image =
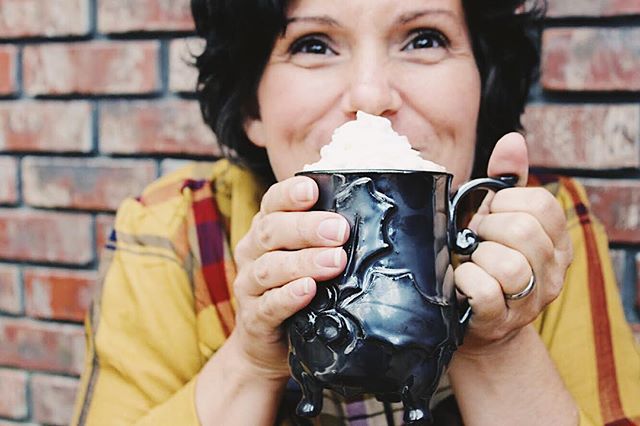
<point x="410" y="16"/>
<point x="322" y="19"/>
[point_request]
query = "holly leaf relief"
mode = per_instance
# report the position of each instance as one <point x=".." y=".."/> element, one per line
<point x="367" y="209"/>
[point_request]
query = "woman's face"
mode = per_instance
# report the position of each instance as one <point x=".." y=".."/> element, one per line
<point x="410" y="61"/>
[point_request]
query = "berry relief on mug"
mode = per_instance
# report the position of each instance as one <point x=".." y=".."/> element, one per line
<point x="389" y="324"/>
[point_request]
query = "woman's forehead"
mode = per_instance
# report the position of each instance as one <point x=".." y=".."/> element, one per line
<point x="361" y="7"/>
<point x="379" y="16"/>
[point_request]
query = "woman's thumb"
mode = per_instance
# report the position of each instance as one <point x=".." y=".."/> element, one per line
<point x="509" y="157"/>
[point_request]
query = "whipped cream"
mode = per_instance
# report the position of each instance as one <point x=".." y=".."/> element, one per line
<point x="369" y="142"/>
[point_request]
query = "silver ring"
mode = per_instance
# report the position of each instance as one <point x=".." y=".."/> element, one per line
<point x="525" y="292"/>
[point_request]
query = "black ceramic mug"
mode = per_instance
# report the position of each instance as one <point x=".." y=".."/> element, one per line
<point x="390" y="323"/>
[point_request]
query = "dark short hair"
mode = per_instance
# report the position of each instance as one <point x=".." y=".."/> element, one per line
<point x="240" y="35"/>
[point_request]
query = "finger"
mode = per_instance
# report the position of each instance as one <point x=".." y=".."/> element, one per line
<point x="507" y="266"/>
<point x="509" y="157"/>
<point x="484" y="293"/>
<point x="482" y="211"/>
<point x="292" y="231"/>
<point x="521" y="232"/>
<point x="539" y="203"/>
<point x="298" y="193"/>
<point x="295" y="230"/>
<point x="278" y="304"/>
<point x="277" y="268"/>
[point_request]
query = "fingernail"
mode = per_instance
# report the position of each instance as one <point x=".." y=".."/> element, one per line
<point x="329" y="258"/>
<point x="301" y="287"/>
<point x="303" y="191"/>
<point x="333" y="229"/>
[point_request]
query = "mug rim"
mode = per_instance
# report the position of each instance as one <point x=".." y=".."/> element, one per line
<point x="369" y="171"/>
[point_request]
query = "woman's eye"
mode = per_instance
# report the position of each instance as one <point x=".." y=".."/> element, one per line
<point x="311" y="45"/>
<point x="427" y="39"/>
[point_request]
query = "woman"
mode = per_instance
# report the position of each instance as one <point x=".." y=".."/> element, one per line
<point x="168" y="344"/>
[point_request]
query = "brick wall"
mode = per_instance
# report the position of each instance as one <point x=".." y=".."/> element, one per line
<point x="96" y="101"/>
<point x="584" y="120"/>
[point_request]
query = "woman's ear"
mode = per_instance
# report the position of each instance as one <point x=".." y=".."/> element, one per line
<point x="255" y="131"/>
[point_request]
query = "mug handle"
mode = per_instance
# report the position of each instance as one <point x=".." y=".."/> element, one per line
<point x="465" y="241"/>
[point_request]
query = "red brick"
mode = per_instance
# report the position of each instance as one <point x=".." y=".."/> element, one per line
<point x="618" y="257"/>
<point x="87" y="183"/>
<point x="8" y="177"/>
<point x="169" y="165"/>
<point x="45" y="236"/>
<point x="99" y="67"/>
<point x="104" y="226"/>
<point x="183" y="75"/>
<point x="617" y="204"/>
<point x="53" y="399"/>
<point x="10" y="290"/>
<point x="50" y="126"/>
<point x="583" y="136"/>
<point x="594" y="8"/>
<point x="578" y="59"/>
<point x="8" y="61"/>
<point x="117" y="16"/>
<point x="13" y="394"/>
<point x="41" y="346"/>
<point x="57" y="293"/>
<point x="43" y="18"/>
<point x="169" y="127"/>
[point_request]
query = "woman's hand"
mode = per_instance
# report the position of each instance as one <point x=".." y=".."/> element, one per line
<point x="524" y="233"/>
<point x="279" y="261"/>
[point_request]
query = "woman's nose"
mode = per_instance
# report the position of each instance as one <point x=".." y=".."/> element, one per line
<point x="371" y="89"/>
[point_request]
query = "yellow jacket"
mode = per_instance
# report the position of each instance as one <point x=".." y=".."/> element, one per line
<point x="165" y="305"/>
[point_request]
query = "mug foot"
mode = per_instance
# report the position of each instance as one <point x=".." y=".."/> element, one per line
<point x="306" y="408"/>
<point x="416" y="416"/>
